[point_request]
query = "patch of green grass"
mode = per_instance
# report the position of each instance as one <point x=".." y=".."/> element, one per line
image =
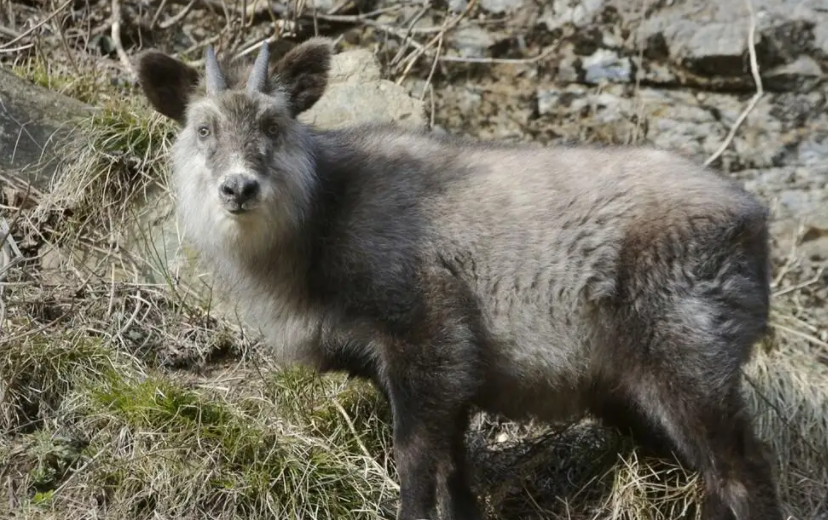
<point x="227" y="456"/>
<point x="88" y="87"/>
<point x="38" y="371"/>
<point x="163" y="406"/>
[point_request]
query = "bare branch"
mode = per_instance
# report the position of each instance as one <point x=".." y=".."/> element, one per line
<point x="38" y="25"/>
<point x="116" y="38"/>
<point x="757" y="79"/>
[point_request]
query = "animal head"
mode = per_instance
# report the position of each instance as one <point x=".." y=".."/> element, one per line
<point x="243" y="166"/>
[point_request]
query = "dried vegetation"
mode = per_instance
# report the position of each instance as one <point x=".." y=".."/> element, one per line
<point x="125" y="399"/>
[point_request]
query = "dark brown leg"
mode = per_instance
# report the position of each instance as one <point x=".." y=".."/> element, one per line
<point x="460" y="503"/>
<point x="715" y="437"/>
<point x="430" y="401"/>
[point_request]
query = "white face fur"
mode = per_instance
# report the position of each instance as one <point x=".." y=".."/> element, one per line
<point x="243" y="172"/>
<point x="243" y="166"/>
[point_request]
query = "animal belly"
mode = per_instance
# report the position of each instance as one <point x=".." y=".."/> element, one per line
<point x="534" y="379"/>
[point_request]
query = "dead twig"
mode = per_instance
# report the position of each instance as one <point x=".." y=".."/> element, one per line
<point x="433" y="67"/>
<point x="157" y="14"/>
<point x="407" y="36"/>
<point x="17" y="49"/>
<point x="59" y="30"/>
<point x="9" y="32"/>
<point x="169" y="22"/>
<point x="757" y="79"/>
<point x="116" y="38"/>
<point x="505" y="61"/>
<point x="38" y="25"/>
<point x="412" y="58"/>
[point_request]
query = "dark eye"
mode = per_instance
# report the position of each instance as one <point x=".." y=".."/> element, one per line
<point x="203" y="131"/>
<point x="273" y="130"/>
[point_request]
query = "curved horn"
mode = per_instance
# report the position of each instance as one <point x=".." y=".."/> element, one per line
<point x="257" y="81"/>
<point x="215" y="80"/>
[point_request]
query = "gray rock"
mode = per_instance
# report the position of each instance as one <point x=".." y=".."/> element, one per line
<point x="606" y="65"/>
<point x="471" y="41"/>
<point x="567" y="71"/>
<point x="356" y="94"/>
<point x="804" y="74"/>
<point x="33" y="121"/>
<point x="710" y="38"/>
<point x="697" y="124"/>
<point x="677" y="121"/>
<point x="813" y="151"/>
<point x="500" y="6"/>
<point x="322" y="6"/>
<point x="548" y="99"/>
<point x="354" y="66"/>
<point x="692" y="124"/>
<point x="457" y="6"/>
<point x="797" y="197"/>
<point x="579" y="13"/>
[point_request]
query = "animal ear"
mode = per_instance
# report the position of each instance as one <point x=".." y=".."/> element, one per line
<point x="303" y="72"/>
<point x="167" y="83"/>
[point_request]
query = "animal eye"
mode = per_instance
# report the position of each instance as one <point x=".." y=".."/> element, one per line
<point x="203" y="131"/>
<point x="273" y="130"/>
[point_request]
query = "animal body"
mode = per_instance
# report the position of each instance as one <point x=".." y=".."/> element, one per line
<point x="527" y="281"/>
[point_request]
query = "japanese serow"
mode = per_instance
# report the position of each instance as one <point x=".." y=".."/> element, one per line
<point x="624" y="283"/>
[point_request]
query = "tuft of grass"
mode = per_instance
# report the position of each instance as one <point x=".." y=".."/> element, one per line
<point x="787" y="392"/>
<point x="115" y="158"/>
<point x="90" y="88"/>
<point x="36" y="374"/>
<point x="178" y="452"/>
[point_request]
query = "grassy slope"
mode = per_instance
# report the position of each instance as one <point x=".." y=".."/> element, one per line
<point x="119" y="400"/>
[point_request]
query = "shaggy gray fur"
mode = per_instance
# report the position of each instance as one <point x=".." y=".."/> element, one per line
<point x="627" y="283"/>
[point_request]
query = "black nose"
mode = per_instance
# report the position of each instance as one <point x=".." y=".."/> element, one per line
<point x="239" y="189"/>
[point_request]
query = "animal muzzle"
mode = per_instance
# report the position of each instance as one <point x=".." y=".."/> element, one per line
<point x="238" y="191"/>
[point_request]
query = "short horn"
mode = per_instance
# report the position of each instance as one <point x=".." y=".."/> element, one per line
<point x="258" y="76"/>
<point x="215" y="80"/>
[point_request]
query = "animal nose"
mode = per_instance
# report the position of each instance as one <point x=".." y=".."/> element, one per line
<point x="239" y="188"/>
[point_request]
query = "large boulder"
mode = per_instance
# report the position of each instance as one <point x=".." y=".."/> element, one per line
<point x="357" y="94"/>
<point x="710" y="38"/>
<point x="33" y="120"/>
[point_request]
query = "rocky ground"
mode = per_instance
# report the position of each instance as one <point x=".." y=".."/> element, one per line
<point x="739" y="84"/>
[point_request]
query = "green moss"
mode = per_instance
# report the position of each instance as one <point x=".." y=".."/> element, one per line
<point x="55" y="457"/>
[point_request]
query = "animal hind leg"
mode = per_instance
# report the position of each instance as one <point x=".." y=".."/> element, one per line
<point x="713" y="434"/>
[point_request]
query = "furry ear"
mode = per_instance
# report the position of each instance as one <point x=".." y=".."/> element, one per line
<point x="303" y="72"/>
<point x="167" y="83"/>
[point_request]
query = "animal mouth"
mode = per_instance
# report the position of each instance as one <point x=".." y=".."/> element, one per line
<point x="238" y="209"/>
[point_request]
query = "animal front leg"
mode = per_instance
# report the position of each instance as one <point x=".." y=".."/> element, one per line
<point x="428" y="446"/>
<point x="416" y="457"/>
<point x="460" y="502"/>
<point x="430" y="414"/>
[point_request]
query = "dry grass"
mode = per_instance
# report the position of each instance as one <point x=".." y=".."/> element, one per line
<point x="128" y="399"/>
